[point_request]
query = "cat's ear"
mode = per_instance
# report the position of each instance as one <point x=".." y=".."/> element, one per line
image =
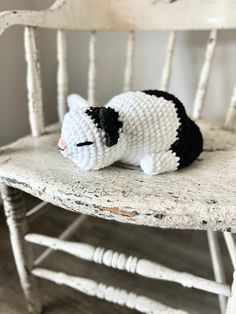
<point x="76" y="102"/>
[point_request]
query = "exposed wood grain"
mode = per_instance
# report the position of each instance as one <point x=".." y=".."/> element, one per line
<point x="127" y="15"/>
<point x="201" y="196"/>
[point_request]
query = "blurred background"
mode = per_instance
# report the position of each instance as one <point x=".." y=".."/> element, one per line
<point x="149" y="57"/>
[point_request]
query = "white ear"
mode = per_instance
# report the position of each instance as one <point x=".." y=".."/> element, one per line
<point x="76" y="102"/>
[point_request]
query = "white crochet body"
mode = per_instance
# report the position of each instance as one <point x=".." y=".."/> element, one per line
<point x="150" y="126"/>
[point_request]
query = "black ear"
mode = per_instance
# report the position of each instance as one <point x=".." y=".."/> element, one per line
<point x="108" y="120"/>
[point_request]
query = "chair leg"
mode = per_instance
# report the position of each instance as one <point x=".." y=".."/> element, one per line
<point x="14" y="208"/>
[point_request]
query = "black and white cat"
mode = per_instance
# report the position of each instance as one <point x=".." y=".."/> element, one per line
<point x="147" y="128"/>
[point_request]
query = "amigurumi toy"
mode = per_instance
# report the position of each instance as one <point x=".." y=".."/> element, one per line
<point x="147" y="128"/>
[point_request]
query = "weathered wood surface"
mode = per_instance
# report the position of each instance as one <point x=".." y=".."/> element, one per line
<point x="128" y="15"/>
<point x="201" y="196"/>
<point x="34" y="82"/>
<point x="128" y="263"/>
<point x="176" y="248"/>
<point x="15" y="210"/>
<point x="108" y="293"/>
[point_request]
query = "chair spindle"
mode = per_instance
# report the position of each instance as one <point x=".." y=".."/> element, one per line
<point x="34" y="82"/>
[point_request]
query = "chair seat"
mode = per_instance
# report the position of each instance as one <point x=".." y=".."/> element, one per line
<point x="201" y="196"/>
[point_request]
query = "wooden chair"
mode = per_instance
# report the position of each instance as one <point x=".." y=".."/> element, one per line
<point x="201" y="196"/>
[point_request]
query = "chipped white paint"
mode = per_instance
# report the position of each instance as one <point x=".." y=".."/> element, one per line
<point x="217" y="263"/>
<point x="129" y="263"/>
<point x="15" y="213"/>
<point x="62" y="75"/>
<point x="230" y="122"/>
<point x="129" y="63"/>
<point x="124" y="15"/>
<point x="35" y="99"/>
<point x="166" y="73"/>
<point x="204" y="76"/>
<point x="201" y="196"/>
<point x="66" y="234"/>
<point x="92" y="69"/>
<point x="108" y="293"/>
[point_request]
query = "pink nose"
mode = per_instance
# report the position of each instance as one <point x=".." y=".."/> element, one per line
<point x="62" y="144"/>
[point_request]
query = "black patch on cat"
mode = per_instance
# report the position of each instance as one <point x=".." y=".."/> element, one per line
<point x="189" y="143"/>
<point x="106" y="119"/>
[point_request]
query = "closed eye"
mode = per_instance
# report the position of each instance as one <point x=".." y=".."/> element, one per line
<point x="84" y="143"/>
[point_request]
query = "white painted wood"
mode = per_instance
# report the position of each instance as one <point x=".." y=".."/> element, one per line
<point x="231" y="247"/>
<point x="166" y="73"/>
<point x="62" y="75"/>
<point x="231" y="306"/>
<point x="66" y="234"/>
<point x="217" y="263"/>
<point x="128" y="15"/>
<point x="204" y="76"/>
<point x="92" y="71"/>
<point x="208" y="190"/>
<point x="129" y="263"/>
<point x="108" y="293"/>
<point x="230" y="122"/>
<point x="36" y="211"/>
<point x="34" y="82"/>
<point x="14" y="208"/>
<point x="129" y="63"/>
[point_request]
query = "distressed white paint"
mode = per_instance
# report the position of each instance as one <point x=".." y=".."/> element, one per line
<point x="35" y="99"/>
<point x="108" y="293"/>
<point x="66" y="234"/>
<point x="62" y="75"/>
<point x="14" y="208"/>
<point x="36" y="211"/>
<point x="207" y="187"/>
<point x="92" y="69"/>
<point x="129" y="263"/>
<point x="217" y="263"/>
<point x="230" y="122"/>
<point x="125" y="15"/>
<point x="204" y="76"/>
<point x="166" y="73"/>
<point x="129" y="63"/>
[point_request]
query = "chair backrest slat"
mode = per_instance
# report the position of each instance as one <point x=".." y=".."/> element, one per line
<point x="128" y="75"/>
<point x="34" y="82"/>
<point x="128" y="15"/>
<point x="230" y="121"/>
<point x="166" y="73"/>
<point x="92" y="69"/>
<point x="204" y="75"/>
<point x="62" y="74"/>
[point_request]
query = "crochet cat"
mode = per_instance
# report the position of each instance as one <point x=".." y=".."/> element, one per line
<point x="147" y="128"/>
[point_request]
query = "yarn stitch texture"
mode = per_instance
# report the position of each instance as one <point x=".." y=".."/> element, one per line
<point x="147" y="128"/>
